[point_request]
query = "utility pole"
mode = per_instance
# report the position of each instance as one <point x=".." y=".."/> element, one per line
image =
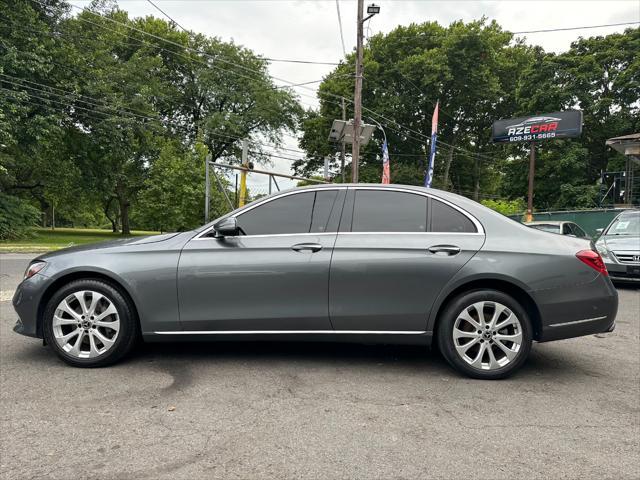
<point x="357" y="96"/>
<point x="342" y="151"/>
<point x="243" y="173"/>
<point x="532" y="168"/>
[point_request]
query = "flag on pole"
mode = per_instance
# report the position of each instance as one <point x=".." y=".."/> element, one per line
<point x="386" y="171"/>
<point x="432" y="155"/>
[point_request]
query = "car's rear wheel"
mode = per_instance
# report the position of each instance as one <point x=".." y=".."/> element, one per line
<point x="89" y="323"/>
<point x="485" y="334"/>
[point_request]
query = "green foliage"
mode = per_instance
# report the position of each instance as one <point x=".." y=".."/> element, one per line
<point x="173" y="195"/>
<point x="505" y="207"/>
<point x="105" y="100"/>
<point x="16" y="217"/>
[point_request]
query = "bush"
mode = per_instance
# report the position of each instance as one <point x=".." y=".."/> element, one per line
<point x="505" y="207"/>
<point x="16" y="217"/>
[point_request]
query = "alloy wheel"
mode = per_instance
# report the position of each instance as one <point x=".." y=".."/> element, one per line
<point x="487" y="335"/>
<point x="86" y="324"/>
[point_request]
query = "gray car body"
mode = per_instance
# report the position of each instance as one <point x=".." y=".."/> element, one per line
<point x="361" y="286"/>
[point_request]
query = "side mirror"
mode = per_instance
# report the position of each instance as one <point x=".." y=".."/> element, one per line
<point x="227" y="227"/>
<point x="599" y="231"/>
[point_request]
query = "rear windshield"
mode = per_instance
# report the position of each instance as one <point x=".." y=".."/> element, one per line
<point x="625" y="225"/>
<point x="546" y="227"/>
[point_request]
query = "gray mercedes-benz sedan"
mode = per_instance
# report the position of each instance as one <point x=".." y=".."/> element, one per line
<point x="372" y="263"/>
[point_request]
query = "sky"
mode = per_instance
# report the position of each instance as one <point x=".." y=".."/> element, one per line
<point x="309" y="29"/>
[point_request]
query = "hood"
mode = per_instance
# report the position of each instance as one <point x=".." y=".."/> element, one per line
<point x="622" y="242"/>
<point x="153" y="238"/>
<point x="121" y="242"/>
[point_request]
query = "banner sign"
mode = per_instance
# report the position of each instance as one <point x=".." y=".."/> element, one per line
<point x="548" y="126"/>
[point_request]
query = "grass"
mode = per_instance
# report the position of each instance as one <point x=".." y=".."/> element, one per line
<point x="45" y="239"/>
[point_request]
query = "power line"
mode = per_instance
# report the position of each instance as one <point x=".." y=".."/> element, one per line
<point x="468" y="152"/>
<point x="186" y="47"/>
<point x="166" y="15"/>
<point x="576" y="28"/>
<point x="92" y="101"/>
<point x="93" y="111"/>
<point x="192" y="60"/>
<point x="172" y="20"/>
<point x="310" y="62"/>
<point x="425" y="137"/>
<point x="143" y="42"/>
<point x="288" y="82"/>
<point x="344" y="49"/>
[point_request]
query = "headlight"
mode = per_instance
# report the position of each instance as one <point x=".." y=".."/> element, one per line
<point x="602" y="249"/>
<point x="34" y="268"/>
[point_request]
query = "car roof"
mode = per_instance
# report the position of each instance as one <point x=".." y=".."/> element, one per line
<point x="635" y="211"/>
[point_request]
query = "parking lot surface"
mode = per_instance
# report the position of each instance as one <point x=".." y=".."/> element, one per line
<point x="275" y="410"/>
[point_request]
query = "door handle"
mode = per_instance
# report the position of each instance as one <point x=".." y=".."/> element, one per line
<point x="307" y="247"/>
<point x="444" y="250"/>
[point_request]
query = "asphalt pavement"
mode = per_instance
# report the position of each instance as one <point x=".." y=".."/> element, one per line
<point x="276" y="410"/>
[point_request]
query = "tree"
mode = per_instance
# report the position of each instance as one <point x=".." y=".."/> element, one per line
<point x="93" y="99"/>
<point x="33" y="125"/>
<point x="173" y="194"/>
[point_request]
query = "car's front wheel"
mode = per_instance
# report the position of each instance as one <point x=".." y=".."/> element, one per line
<point x="485" y="334"/>
<point x="89" y="323"/>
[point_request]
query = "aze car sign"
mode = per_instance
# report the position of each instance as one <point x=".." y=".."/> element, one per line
<point x="538" y="127"/>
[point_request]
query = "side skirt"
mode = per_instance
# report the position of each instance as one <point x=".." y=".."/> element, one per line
<point x="395" y="337"/>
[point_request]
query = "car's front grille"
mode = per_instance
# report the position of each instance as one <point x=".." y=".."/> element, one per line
<point x="628" y="257"/>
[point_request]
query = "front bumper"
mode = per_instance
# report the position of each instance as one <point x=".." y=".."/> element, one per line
<point x="579" y="310"/>
<point x="623" y="272"/>
<point x="26" y="301"/>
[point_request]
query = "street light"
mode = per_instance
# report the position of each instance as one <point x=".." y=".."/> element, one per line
<point x="373" y="8"/>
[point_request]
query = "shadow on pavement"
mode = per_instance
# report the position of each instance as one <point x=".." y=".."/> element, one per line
<point x="179" y="359"/>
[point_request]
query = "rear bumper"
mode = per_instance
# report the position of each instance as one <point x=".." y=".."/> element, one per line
<point x="575" y="311"/>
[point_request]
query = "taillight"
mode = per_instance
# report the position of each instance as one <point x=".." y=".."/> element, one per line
<point x="593" y="259"/>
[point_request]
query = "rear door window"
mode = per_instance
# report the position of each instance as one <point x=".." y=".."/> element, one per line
<point x="447" y="219"/>
<point x="389" y="211"/>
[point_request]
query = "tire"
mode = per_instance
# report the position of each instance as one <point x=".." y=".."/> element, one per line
<point x="493" y="353"/>
<point x="94" y="335"/>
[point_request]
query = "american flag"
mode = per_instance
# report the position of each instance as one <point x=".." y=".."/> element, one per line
<point x="432" y="156"/>
<point x="386" y="171"/>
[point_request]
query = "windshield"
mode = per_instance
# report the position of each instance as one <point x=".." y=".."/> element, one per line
<point x="625" y="225"/>
<point x="546" y="227"/>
